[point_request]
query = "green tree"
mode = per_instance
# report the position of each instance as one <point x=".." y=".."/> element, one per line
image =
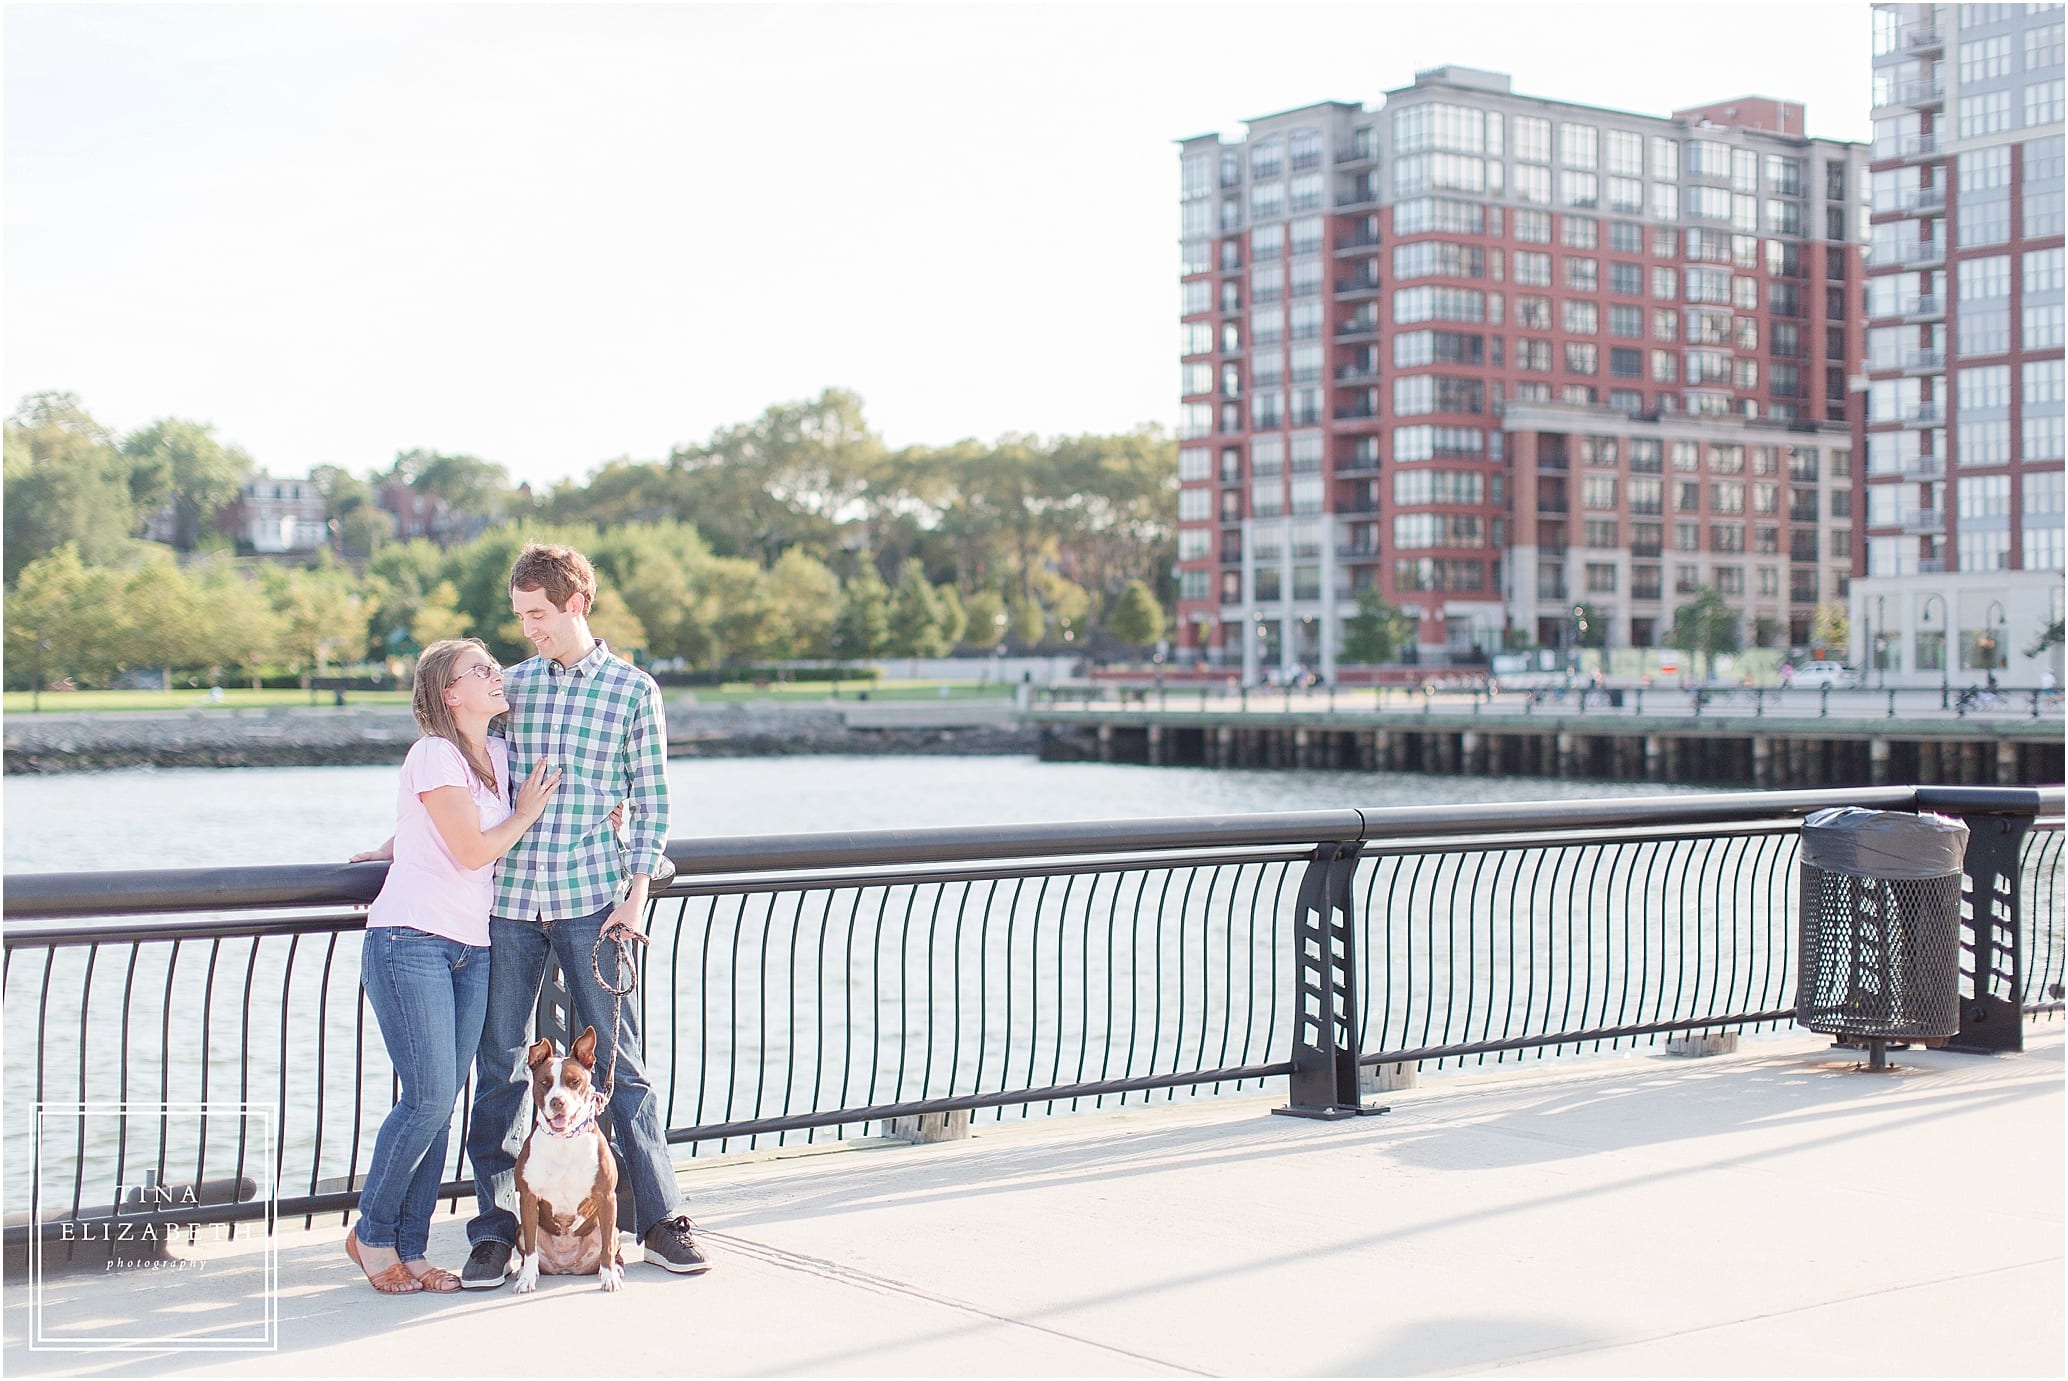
<point x="1830" y="629"/>
<point x="74" y="610"/>
<point x="737" y="602"/>
<point x="862" y="630"/>
<point x="323" y="617"/>
<point x="1589" y="628"/>
<point x="1377" y="631"/>
<point x="244" y="630"/>
<point x="1137" y="619"/>
<point x="954" y="621"/>
<point x="789" y="478"/>
<point x="1705" y="626"/>
<point x="2049" y="636"/>
<point x="181" y="463"/>
<point x="1027" y="622"/>
<point x="437" y="617"/>
<point x="164" y="624"/>
<point x="915" y="615"/>
<point x="984" y="613"/>
<point x="806" y="600"/>
<point x="613" y="622"/>
<point x="467" y="484"/>
<point x="66" y="482"/>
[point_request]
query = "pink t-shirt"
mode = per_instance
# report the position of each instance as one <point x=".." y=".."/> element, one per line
<point x="427" y="888"/>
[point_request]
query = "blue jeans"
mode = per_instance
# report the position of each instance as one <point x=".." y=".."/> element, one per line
<point x="503" y="1087"/>
<point x="429" y="995"/>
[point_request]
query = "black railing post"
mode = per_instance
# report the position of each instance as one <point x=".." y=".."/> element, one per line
<point x="1323" y="1083"/>
<point x="1992" y="1000"/>
<point x="555" y="1012"/>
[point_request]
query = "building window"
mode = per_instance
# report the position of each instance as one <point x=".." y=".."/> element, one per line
<point x="1985" y="58"/>
<point x="1987" y="113"/>
<point x="2041" y="329"/>
<point x="2042" y="437"/>
<point x="2042" y="104"/>
<point x="1985" y="551"/>
<point x="1984" y="496"/>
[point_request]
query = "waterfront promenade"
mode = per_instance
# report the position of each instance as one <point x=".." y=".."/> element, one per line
<point x="1769" y="1212"/>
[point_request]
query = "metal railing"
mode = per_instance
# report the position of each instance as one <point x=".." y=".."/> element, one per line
<point x="820" y="985"/>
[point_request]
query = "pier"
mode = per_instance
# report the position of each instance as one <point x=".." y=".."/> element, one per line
<point x="1747" y="743"/>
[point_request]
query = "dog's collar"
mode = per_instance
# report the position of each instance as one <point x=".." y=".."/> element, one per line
<point x="581" y="1128"/>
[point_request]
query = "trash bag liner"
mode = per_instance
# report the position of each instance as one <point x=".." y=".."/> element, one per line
<point x="1883" y="843"/>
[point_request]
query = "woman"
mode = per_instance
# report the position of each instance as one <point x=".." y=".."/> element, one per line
<point x="425" y="963"/>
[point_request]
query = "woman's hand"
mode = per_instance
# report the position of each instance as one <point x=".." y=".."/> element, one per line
<point x="384" y="854"/>
<point x="537" y="790"/>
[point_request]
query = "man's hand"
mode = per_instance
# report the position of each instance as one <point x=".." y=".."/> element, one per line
<point x="628" y="917"/>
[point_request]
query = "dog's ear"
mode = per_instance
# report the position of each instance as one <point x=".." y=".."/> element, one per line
<point x="584" y="1050"/>
<point x="538" y="1054"/>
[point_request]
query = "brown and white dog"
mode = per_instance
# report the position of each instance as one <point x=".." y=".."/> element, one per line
<point x="566" y="1179"/>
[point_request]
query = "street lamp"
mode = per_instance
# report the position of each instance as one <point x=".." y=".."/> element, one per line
<point x="1880" y="641"/>
<point x="1995" y="619"/>
<point x="998" y="637"/>
<point x="36" y="695"/>
<point x="1924" y="616"/>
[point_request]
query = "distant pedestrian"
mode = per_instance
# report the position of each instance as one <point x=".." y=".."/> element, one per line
<point x="1787" y="675"/>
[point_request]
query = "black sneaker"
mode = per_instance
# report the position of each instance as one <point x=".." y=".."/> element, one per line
<point x="488" y="1266"/>
<point x="669" y="1246"/>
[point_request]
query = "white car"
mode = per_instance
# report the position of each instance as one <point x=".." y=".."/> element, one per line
<point x="1826" y="676"/>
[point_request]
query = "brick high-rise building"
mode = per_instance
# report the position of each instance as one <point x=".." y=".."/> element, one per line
<point x="1501" y="356"/>
<point x="1962" y="429"/>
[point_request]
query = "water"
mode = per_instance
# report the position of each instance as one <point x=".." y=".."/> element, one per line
<point x="212" y="817"/>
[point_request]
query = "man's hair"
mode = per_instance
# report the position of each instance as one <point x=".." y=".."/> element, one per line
<point x="562" y="572"/>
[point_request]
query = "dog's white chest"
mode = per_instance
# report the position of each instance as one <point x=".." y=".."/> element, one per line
<point x="563" y="1172"/>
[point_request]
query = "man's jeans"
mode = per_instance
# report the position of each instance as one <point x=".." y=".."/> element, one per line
<point x="429" y="994"/>
<point x="647" y="1193"/>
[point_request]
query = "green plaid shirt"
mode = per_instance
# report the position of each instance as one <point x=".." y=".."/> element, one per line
<point x="599" y="721"/>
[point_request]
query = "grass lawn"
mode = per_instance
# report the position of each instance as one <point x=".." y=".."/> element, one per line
<point x="187" y="698"/>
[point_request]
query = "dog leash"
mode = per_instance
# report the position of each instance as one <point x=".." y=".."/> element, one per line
<point x="630" y="979"/>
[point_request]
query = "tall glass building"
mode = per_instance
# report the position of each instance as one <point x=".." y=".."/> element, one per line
<point x="1962" y="431"/>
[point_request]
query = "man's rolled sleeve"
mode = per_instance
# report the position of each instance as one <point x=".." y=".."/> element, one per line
<point x="646" y="772"/>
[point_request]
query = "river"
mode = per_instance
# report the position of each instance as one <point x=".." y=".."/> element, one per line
<point x="203" y="817"/>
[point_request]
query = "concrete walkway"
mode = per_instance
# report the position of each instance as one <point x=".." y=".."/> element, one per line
<point x="1765" y="1213"/>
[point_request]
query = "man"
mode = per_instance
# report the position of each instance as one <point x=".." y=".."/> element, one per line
<point x="598" y="719"/>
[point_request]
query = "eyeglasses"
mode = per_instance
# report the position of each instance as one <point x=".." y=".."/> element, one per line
<point x="484" y="670"/>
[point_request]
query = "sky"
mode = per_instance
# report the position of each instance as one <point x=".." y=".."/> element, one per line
<point x="555" y="235"/>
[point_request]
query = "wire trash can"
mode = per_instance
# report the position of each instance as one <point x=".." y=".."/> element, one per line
<point x="1880" y="927"/>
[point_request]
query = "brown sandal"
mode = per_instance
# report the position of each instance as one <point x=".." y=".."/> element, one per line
<point x="389" y="1280"/>
<point x="436" y="1279"/>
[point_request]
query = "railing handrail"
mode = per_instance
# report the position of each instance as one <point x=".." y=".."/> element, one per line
<point x="57" y="896"/>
